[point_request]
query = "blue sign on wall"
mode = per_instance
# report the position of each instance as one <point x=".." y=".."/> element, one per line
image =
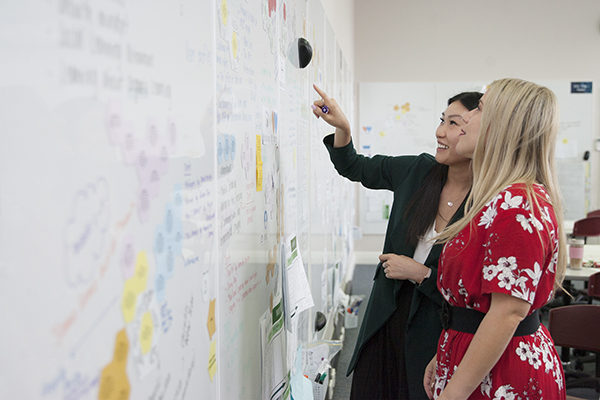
<point x="581" y="87"/>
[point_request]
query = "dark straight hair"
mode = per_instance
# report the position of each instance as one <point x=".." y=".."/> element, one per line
<point x="423" y="207"/>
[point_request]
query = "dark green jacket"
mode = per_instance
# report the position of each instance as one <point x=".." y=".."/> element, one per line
<point x="403" y="175"/>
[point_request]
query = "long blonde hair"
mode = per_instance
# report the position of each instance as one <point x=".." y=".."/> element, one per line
<point x="516" y="144"/>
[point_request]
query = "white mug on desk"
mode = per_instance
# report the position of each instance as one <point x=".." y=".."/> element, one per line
<point x="576" y="252"/>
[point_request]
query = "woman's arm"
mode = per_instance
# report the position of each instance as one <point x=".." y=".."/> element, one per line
<point x="334" y="117"/>
<point x="402" y="267"/>
<point x="488" y="344"/>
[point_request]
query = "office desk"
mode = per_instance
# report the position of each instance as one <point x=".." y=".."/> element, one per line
<point x="582" y="274"/>
<point x="590" y="252"/>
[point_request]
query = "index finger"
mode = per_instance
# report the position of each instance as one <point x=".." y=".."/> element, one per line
<point x="321" y="93"/>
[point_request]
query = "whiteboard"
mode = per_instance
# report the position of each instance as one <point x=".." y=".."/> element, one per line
<point x="398" y="118"/>
<point x="155" y="157"/>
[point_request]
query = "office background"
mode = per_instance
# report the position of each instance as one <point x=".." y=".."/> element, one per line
<point x="470" y="40"/>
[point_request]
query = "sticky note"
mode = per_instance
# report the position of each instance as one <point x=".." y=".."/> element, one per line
<point x="114" y="383"/>
<point x="146" y="332"/>
<point x="234" y="44"/>
<point x="224" y="11"/>
<point x="212" y="360"/>
<point x="259" y="164"/>
<point x="129" y="300"/>
<point x="141" y="272"/>
<point x="212" y="327"/>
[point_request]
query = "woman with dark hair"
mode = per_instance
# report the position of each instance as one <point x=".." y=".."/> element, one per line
<point x="401" y="326"/>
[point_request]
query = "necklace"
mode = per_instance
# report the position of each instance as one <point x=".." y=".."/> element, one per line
<point x="442" y="217"/>
<point x="450" y="203"/>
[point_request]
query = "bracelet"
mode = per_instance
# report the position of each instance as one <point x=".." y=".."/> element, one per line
<point x="425" y="277"/>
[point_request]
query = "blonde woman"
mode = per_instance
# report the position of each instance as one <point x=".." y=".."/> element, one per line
<point x="504" y="259"/>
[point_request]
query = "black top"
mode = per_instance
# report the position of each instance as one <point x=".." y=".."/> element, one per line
<point x="403" y="175"/>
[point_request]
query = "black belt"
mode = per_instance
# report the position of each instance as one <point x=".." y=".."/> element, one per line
<point x="467" y="320"/>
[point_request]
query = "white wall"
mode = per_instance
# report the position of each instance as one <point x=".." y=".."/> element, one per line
<point x="341" y="16"/>
<point x="466" y="40"/>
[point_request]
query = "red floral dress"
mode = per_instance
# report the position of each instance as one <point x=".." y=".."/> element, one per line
<point x="503" y="253"/>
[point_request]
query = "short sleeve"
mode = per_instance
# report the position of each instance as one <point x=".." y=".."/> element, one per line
<point x="515" y="258"/>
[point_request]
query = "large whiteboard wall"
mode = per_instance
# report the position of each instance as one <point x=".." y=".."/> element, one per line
<point x="154" y="157"/>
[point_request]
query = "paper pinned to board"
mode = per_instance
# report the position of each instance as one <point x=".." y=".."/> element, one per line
<point x="299" y="296"/>
<point x="272" y="338"/>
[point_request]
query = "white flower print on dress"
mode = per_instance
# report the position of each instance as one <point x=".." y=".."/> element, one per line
<point x="488" y="216"/>
<point x="534" y="274"/>
<point x="546" y="214"/>
<point x="504" y="393"/>
<point x="490" y="272"/>
<point x="523" y="293"/>
<point x="535" y="358"/>
<point x="511" y="202"/>
<point x="507" y="279"/>
<point x="524" y="222"/>
<point x="506" y="266"/>
<point x="536" y="222"/>
<point x="523" y="351"/>
<point x="462" y="290"/>
<point x="507" y="263"/>
<point x="486" y="385"/>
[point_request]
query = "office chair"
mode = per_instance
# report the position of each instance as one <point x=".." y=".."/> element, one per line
<point x="577" y="326"/>
<point x="591" y="291"/>
<point x="589" y="226"/>
<point x="595" y="213"/>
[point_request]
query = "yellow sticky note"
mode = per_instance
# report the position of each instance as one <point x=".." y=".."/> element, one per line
<point x="565" y="141"/>
<point x="258" y="149"/>
<point x="396" y="107"/>
<point x="212" y="327"/>
<point x="234" y="44"/>
<point x="140" y="277"/>
<point x="224" y="11"/>
<point x="129" y="300"/>
<point x="212" y="360"/>
<point x="382" y="133"/>
<point x="146" y="332"/>
<point x="259" y="177"/>
<point x="121" y="349"/>
<point x="397" y="118"/>
<point x="259" y="164"/>
<point x="114" y="383"/>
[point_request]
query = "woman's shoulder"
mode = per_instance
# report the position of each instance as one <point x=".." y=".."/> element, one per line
<point x="513" y="202"/>
<point x="522" y="191"/>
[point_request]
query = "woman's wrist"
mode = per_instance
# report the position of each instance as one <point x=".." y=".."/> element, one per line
<point x="425" y="276"/>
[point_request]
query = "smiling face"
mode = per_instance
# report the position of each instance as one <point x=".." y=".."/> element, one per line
<point x="470" y="131"/>
<point x="447" y="134"/>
